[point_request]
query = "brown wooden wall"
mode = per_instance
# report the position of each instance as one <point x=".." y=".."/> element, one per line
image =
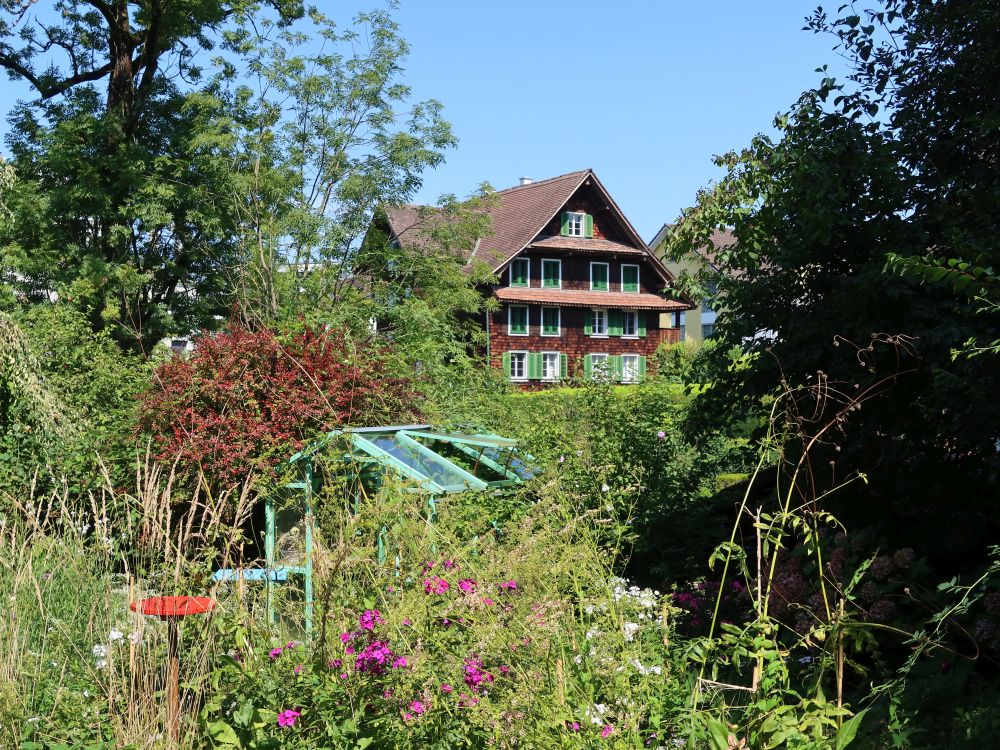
<point x="574" y="342"/>
<point x="576" y="270"/>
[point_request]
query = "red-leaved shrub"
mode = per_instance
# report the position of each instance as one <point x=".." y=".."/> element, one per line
<point x="245" y="400"/>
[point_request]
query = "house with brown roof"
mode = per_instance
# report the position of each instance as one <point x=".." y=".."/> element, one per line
<point x="698" y="323"/>
<point x="579" y="292"/>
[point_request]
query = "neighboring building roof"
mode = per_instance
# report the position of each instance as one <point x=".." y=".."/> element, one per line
<point x="582" y="298"/>
<point x="517" y="217"/>
<point x="719" y="240"/>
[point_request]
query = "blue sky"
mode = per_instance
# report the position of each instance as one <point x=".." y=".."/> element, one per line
<point x="642" y="91"/>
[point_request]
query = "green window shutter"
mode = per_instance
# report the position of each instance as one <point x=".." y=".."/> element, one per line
<point x="564" y="226"/>
<point x="563" y="366"/>
<point x="641" y="322"/>
<point x="550" y="320"/>
<point x="615" y="367"/>
<point x="588" y="366"/>
<point x="518" y="320"/>
<point x="506" y="364"/>
<point x="630" y="279"/>
<point x="588" y="225"/>
<point x="599" y="277"/>
<point x="588" y="323"/>
<point x="616" y="325"/>
<point x="642" y="368"/>
<point x="550" y="274"/>
<point x="519" y="272"/>
<point x="534" y="366"/>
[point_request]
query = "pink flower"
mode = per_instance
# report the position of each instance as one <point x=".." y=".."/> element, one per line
<point x="467" y="585"/>
<point x="343" y="676"/>
<point x="349" y="650"/>
<point x="504" y="670"/>
<point x="374" y="658"/>
<point x="509" y="585"/>
<point x="335" y="663"/>
<point x="661" y="434"/>
<point x="407" y="716"/>
<point x="400" y="663"/>
<point x="418" y="707"/>
<point x="446" y="688"/>
<point x="288" y="717"/>
<point x="607" y="731"/>
<point x="406" y="621"/>
<point x="574" y="726"/>
<point x="370" y="618"/>
<point x="345" y="637"/>
<point x="297" y="669"/>
<point x="449" y="564"/>
<point x="487" y="601"/>
<point x="276" y="652"/>
<point x="290" y="645"/>
<point x="387" y="694"/>
<point x="435" y="585"/>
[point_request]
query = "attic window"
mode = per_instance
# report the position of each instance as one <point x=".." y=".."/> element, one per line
<point x="577" y="224"/>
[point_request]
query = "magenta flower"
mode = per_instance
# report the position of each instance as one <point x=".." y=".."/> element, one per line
<point x="297" y="669"/>
<point x="345" y="637"/>
<point x="407" y="716"/>
<point x="335" y="663"/>
<point x="290" y="645"/>
<point x="661" y="434"/>
<point x="406" y="621"/>
<point x="288" y="717"/>
<point x="276" y="652"/>
<point x="370" y="618"/>
<point x="400" y="663"/>
<point x="374" y="658"/>
<point x="504" y="670"/>
<point x="446" y="688"/>
<point x="487" y="601"/>
<point x="475" y="676"/>
<point x="607" y="731"/>
<point x="574" y="726"/>
<point x="467" y="585"/>
<point x="449" y="564"/>
<point x="509" y="585"/>
<point x="418" y="707"/>
<point x="435" y="585"/>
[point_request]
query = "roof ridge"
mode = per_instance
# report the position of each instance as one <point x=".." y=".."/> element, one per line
<point x="534" y="183"/>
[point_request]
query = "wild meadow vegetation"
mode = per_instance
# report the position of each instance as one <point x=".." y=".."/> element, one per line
<point x="786" y="537"/>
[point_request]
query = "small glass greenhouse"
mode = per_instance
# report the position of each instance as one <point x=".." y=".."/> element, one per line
<point x="432" y="462"/>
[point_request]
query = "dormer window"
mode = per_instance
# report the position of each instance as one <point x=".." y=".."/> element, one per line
<point x="577" y="224"/>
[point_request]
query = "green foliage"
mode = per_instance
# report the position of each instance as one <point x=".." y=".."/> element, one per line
<point x="68" y="394"/>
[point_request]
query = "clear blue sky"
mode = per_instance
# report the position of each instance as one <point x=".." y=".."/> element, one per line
<point x="642" y="91"/>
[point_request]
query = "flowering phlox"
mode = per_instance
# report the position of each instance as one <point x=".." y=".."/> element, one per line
<point x="370" y="618"/>
<point x="475" y="677"/>
<point x="467" y="585"/>
<point x="435" y="585"/>
<point x="373" y="658"/>
<point x="288" y="717"/>
<point x="274" y="653"/>
<point x="508" y="585"/>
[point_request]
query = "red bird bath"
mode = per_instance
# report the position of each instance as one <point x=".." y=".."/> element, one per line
<point x="172" y="609"/>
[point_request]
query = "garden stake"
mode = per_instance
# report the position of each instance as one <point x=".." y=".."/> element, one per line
<point x="171" y="609"/>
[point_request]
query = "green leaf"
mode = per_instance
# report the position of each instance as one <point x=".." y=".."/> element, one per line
<point x="849" y="729"/>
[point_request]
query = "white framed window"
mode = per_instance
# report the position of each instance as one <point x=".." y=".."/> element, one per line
<point x="598" y="322"/>
<point x="574" y="223"/>
<point x="551" y="321"/>
<point x="550" y="366"/>
<point x="518" y="365"/>
<point x="630" y="324"/>
<point x="520" y="272"/>
<point x="599" y="277"/>
<point x="630" y="278"/>
<point x="551" y="273"/>
<point x="599" y="366"/>
<point x="517" y="320"/>
<point x="630" y="368"/>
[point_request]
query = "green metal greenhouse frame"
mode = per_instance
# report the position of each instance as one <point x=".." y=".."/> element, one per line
<point x="404" y="450"/>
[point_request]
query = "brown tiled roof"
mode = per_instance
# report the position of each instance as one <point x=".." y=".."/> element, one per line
<point x="582" y="298"/>
<point x="518" y="215"/>
<point x="582" y="244"/>
<point x="720" y="239"/>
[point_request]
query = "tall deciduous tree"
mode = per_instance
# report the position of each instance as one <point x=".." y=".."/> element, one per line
<point x="901" y="161"/>
<point x="118" y="208"/>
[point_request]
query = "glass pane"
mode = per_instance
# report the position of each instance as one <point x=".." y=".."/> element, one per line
<point x="437" y="470"/>
<point x="514" y="464"/>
